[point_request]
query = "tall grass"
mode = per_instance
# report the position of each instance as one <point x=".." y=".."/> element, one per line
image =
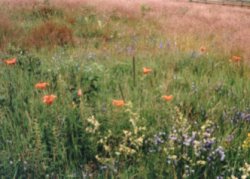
<point x="202" y="132"/>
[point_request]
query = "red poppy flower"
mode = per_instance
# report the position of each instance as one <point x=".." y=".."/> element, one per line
<point x="49" y="99"/>
<point x="147" y="70"/>
<point x="79" y="92"/>
<point x="41" y="85"/>
<point x="118" y="103"/>
<point x="10" y="61"/>
<point x="236" y="58"/>
<point x="203" y="49"/>
<point x="168" y="98"/>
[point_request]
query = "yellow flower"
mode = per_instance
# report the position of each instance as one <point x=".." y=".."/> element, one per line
<point x="246" y="142"/>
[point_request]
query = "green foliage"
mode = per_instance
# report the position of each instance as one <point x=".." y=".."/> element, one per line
<point x="91" y="27"/>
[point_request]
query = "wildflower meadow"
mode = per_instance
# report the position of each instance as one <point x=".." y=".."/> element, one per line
<point x="111" y="92"/>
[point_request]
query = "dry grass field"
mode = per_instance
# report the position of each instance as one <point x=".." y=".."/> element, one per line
<point x="225" y="28"/>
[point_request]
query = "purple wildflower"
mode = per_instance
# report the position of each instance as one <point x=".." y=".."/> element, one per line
<point x="244" y="116"/>
<point x="189" y="140"/>
<point x="159" y="138"/>
<point x="241" y="116"/>
<point x="161" y="45"/>
<point x="173" y="137"/>
<point x="221" y="153"/>
<point x="208" y="144"/>
<point x="219" y="177"/>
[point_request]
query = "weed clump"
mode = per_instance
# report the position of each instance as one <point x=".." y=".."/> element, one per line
<point x="7" y="31"/>
<point x="50" y="34"/>
<point x="46" y="11"/>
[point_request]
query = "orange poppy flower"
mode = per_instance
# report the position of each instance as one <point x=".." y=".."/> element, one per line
<point x="203" y="49"/>
<point x="168" y="98"/>
<point x="10" y="61"/>
<point x="147" y="70"/>
<point x="79" y="92"/>
<point x="49" y="99"/>
<point x="236" y="58"/>
<point x="41" y="85"/>
<point x="118" y="103"/>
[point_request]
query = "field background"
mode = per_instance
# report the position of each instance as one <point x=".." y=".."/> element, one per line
<point x="198" y="55"/>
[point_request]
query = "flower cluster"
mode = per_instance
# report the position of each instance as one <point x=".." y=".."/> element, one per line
<point x="246" y="143"/>
<point x="245" y="171"/>
<point x="185" y="146"/>
<point x="124" y="147"/>
<point x="94" y="125"/>
<point x="241" y="117"/>
<point x="156" y="143"/>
